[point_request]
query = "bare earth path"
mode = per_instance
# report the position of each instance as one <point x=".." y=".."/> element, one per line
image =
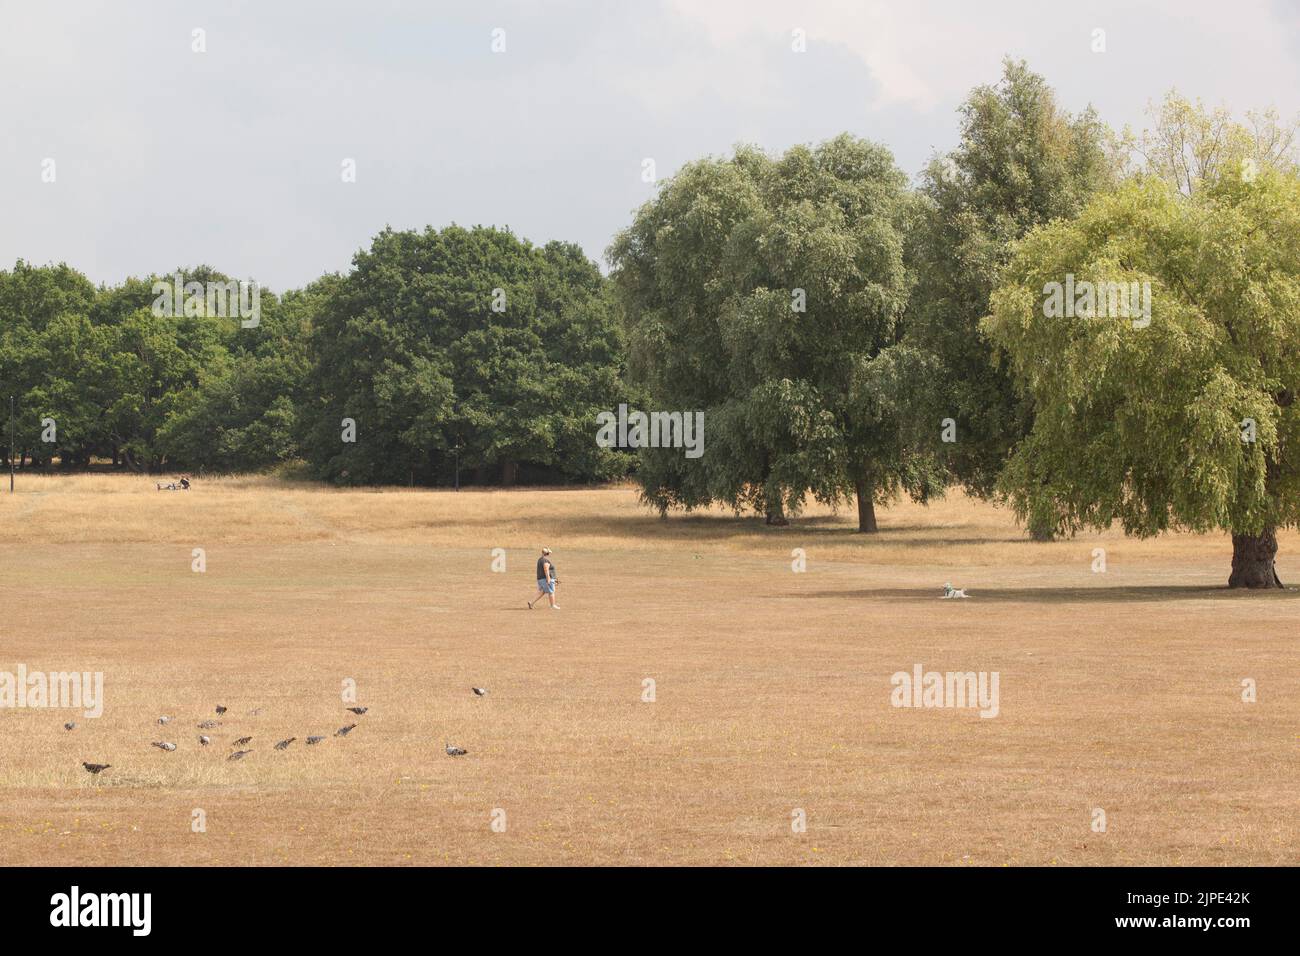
<point x="1119" y="691"/>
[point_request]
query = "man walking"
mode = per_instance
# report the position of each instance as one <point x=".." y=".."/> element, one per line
<point x="545" y="580"/>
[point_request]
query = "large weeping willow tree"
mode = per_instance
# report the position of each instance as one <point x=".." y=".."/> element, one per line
<point x="1180" y="416"/>
<point x="767" y="293"/>
<point x="1022" y="161"/>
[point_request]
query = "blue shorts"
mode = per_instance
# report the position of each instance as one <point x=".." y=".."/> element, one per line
<point x="545" y="586"/>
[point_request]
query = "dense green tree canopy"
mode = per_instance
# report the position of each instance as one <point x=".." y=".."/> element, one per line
<point x="47" y="348"/>
<point x="1189" y="421"/>
<point x="460" y="342"/>
<point x="766" y="293"/>
<point x="467" y="343"/>
<point x="1022" y="161"/>
<point x="241" y="409"/>
<point x="119" y="381"/>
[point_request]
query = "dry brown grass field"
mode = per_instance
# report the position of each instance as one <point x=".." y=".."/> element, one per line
<point x="1119" y="690"/>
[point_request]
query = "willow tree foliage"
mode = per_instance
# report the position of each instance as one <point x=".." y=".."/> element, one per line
<point x="1189" y="144"/>
<point x="1022" y="161"/>
<point x="1180" y="417"/>
<point x="767" y="292"/>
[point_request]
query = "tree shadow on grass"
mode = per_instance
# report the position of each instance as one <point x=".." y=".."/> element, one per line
<point x="1143" y="594"/>
<point x="722" y="527"/>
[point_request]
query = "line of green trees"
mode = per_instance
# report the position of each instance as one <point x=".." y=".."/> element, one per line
<point x="848" y="337"/>
<point x="440" y="350"/>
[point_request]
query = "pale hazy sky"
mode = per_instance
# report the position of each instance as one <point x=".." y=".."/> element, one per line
<point x="165" y="157"/>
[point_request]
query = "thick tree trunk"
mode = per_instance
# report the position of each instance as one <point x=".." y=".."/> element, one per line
<point x="1252" y="560"/>
<point x="776" y="515"/>
<point x="866" y="506"/>
<point x="1041" y="531"/>
<point x="509" y="472"/>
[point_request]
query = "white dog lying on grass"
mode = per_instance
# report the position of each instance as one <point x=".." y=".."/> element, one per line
<point x="951" y="592"/>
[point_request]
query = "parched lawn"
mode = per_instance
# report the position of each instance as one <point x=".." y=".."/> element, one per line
<point x="1118" y="691"/>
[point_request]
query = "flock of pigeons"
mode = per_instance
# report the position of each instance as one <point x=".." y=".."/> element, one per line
<point x="239" y="753"/>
